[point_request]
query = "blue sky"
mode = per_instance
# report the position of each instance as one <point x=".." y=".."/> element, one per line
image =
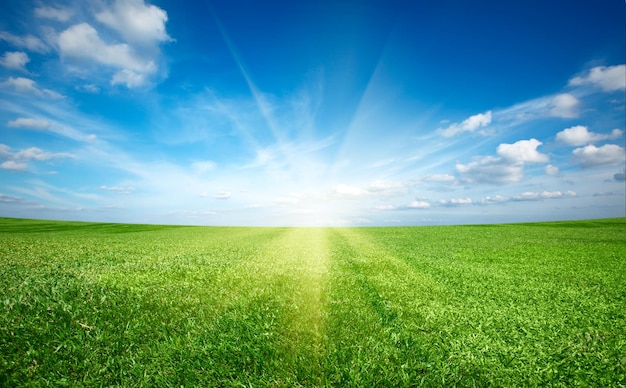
<point x="312" y="112"/>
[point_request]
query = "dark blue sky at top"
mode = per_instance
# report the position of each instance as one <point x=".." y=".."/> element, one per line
<point x="444" y="52"/>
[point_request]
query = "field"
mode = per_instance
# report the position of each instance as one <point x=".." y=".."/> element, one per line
<point x="88" y="304"/>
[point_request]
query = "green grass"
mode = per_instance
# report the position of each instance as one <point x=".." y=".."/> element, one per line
<point x="88" y="304"/>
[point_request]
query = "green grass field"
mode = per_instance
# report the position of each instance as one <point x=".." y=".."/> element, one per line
<point x="87" y="304"/>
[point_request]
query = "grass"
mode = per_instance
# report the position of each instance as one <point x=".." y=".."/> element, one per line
<point x="89" y="304"/>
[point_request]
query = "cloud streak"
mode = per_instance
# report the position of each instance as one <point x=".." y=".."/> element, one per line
<point x="29" y="123"/>
<point x="607" y="78"/>
<point x="28" y="86"/>
<point x="17" y="161"/>
<point x="471" y="124"/>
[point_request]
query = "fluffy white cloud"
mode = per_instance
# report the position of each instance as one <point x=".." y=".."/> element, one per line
<point x="564" y="105"/>
<point x="133" y="67"/>
<point x="591" y="156"/>
<point x="29" y="42"/>
<point x="27" y="85"/>
<point x="12" y="165"/>
<point x="48" y="12"/>
<point x="522" y="151"/>
<point x="580" y="135"/>
<point x="456" y="202"/>
<point x="17" y="161"/>
<point x="608" y="78"/>
<point x="130" y="78"/>
<point x="5" y="151"/>
<point x="418" y="205"/>
<point x="82" y="41"/>
<point x="130" y="50"/>
<point x="526" y="196"/>
<point x="470" y="124"/>
<point x="409" y="206"/>
<point x="552" y="170"/>
<point x="489" y="169"/>
<point x="15" y="60"/>
<point x="28" y="123"/>
<point x="137" y="22"/>
<point x="535" y="196"/>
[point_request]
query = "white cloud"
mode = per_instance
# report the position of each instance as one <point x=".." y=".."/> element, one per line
<point x="564" y="105"/>
<point x="129" y="78"/>
<point x="5" y="151"/>
<point x="136" y="21"/>
<point x="29" y="42"/>
<point x="591" y="156"/>
<point x="409" y="206"/>
<point x="17" y="161"/>
<point x="83" y="42"/>
<point x="493" y="200"/>
<point x="35" y="153"/>
<point x="418" y="205"/>
<point x="15" y="60"/>
<point x="535" y="196"/>
<point x="27" y="85"/>
<point x="580" y="135"/>
<point x="48" y="12"/>
<point x="608" y="78"/>
<point x="456" y="202"/>
<point x="89" y="88"/>
<point x="522" y="151"/>
<point x="12" y="165"/>
<point x="508" y="167"/>
<point x="118" y="189"/>
<point x="489" y="169"/>
<point x="470" y="124"/>
<point x="28" y="123"/>
<point x="552" y="170"/>
<point x="526" y="196"/>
